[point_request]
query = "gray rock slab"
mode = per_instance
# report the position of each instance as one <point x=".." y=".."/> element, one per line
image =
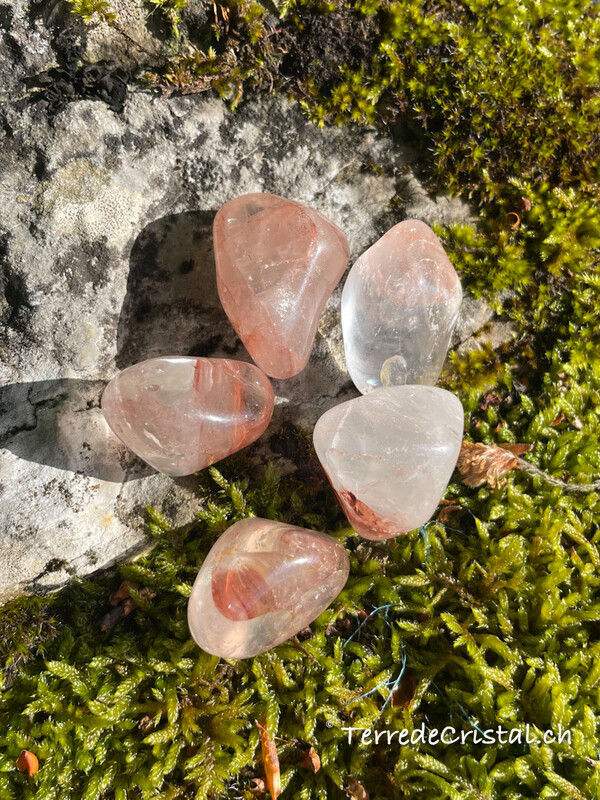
<point x="106" y="252"/>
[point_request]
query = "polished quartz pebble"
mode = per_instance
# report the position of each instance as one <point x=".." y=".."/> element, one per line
<point x="262" y="582"/>
<point x="399" y="307"/>
<point x="277" y="263"/>
<point x="389" y="456"/>
<point x="181" y="414"/>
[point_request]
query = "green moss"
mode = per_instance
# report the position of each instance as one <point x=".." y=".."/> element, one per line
<point x="495" y="613"/>
<point x="27" y="626"/>
<point x="91" y="9"/>
<point x="505" y="89"/>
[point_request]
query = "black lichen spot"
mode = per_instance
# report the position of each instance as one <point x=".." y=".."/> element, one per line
<point x="132" y="141"/>
<point x="88" y="263"/>
<point x="186" y="266"/>
<point x="323" y="43"/>
<point x="203" y="174"/>
<point x="6" y="17"/>
<point x="56" y="564"/>
<point x="72" y="80"/>
<point x="112" y="141"/>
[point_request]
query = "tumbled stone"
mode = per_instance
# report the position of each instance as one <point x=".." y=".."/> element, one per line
<point x="277" y="263"/>
<point x="181" y="414"/>
<point x="389" y="456"/>
<point x="262" y="582"/>
<point x="399" y="307"/>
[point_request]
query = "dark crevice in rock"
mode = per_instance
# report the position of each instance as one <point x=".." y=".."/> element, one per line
<point x="16" y="310"/>
<point x="40" y="166"/>
<point x="15" y="292"/>
<point x="6" y="17"/>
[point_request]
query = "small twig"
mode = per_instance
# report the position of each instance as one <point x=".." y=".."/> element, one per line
<point x="303" y="649"/>
<point x="568" y="487"/>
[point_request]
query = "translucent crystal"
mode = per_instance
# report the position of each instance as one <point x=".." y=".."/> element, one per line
<point x="277" y="263"/>
<point x="399" y="307"/>
<point x="262" y="582"/>
<point x="389" y="456"/>
<point x="181" y="414"/>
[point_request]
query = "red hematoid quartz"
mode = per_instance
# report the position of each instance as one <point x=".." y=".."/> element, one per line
<point x="262" y="582"/>
<point x="181" y="414"/>
<point x="277" y="263"/>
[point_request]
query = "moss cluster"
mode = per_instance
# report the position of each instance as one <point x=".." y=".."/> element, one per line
<point x="491" y="611"/>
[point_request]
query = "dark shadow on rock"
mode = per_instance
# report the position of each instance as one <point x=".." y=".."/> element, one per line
<point x="59" y="423"/>
<point x="172" y="306"/>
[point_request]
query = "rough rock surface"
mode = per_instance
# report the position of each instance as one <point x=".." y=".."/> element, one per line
<point x="106" y="259"/>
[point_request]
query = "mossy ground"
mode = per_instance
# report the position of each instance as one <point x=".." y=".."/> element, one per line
<point x="493" y="608"/>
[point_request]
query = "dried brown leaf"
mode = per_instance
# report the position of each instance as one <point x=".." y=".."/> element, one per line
<point x="356" y="791"/>
<point x="310" y="760"/>
<point x="516" y="449"/>
<point x="28" y="762"/>
<point x="481" y="463"/>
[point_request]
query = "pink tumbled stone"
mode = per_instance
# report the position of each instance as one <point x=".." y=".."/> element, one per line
<point x="262" y="582"/>
<point x="277" y="263"/>
<point x="181" y="414"/>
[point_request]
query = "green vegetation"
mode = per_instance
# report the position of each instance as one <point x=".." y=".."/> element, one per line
<point x="493" y="608"/>
<point x="493" y="611"/>
<point x="88" y="9"/>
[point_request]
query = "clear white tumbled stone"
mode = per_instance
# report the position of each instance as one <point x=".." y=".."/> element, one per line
<point x="389" y="456"/>
<point x="399" y="307"/>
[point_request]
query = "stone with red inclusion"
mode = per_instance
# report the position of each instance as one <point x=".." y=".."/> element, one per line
<point x="262" y="582"/>
<point x="181" y="414"/>
<point x="277" y="263"/>
<point x="389" y="456"/>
